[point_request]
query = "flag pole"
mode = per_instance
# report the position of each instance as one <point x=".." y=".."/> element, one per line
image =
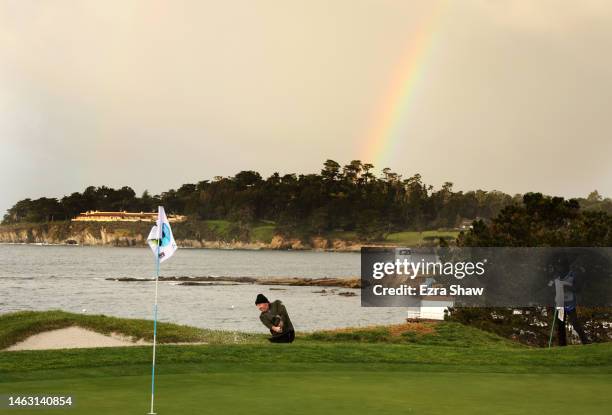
<point x="162" y="243"/>
<point x="552" y="327"/>
<point x="155" y="322"/>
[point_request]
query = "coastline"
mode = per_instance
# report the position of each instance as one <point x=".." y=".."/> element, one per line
<point x="341" y="282"/>
<point x="213" y="245"/>
<point x="135" y="234"/>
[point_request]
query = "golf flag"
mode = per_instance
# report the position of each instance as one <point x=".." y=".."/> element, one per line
<point x="163" y="245"/>
<point x="160" y="238"/>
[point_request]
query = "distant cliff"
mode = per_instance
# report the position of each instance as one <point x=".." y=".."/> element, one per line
<point x="188" y="234"/>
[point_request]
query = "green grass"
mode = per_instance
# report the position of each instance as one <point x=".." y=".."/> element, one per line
<point x="219" y="227"/>
<point x="15" y="327"/>
<point x="595" y="358"/>
<point x="263" y="233"/>
<point x="310" y="377"/>
<point x="260" y="232"/>
<point x="330" y="390"/>
<point x="445" y="368"/>
<point x="426" y="334"/>
<point x="413" y="238"/>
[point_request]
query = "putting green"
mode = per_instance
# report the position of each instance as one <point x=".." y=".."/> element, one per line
<point x="331" y="390"/>
<point x="452" y="370"/>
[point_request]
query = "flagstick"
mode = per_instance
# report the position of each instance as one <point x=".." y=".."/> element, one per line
<point x="160" y="234"/>
<point x="552" y="327"/>
<point x="154" y="330"/>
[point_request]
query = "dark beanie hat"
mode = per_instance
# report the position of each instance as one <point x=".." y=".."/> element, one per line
<point x="261" y="299"/>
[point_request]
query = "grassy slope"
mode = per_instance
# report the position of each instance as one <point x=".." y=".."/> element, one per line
<point x="264" y="231"/>
<point x="447" y="344"/>
<point x="220" y="229"/>
<point x="15" y="327"/>
<point x="426" y="334"/>
<point x="260" y="232"/>
<point x="375" y="370"/>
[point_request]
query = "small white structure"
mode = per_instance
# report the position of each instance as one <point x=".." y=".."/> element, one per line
<point x="431" y="309"/>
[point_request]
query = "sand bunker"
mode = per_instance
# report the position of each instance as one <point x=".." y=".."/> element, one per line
<point x="72" y="338"/>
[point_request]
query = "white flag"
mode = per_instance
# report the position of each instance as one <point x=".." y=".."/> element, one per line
<point x="160" y="238"/>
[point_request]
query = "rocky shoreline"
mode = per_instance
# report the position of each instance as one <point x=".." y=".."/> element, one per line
<point x="352" y="282"/>
<point x="134" y="235"/>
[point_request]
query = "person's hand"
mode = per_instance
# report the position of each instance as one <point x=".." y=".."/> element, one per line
<point x="276" y="329"/>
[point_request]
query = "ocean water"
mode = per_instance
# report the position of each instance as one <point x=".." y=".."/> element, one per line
<point x="73" y="278"/>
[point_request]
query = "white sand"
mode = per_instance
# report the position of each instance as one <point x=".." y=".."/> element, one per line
<point x="73" y="338"/>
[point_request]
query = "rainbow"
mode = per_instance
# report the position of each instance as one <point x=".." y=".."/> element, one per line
<point x="390" y="118"/>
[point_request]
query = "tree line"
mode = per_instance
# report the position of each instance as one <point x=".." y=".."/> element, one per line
<point x="348" y="198"/>
<point x="539" y="221"/>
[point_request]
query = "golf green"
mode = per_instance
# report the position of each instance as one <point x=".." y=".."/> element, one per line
<point x="330" y="390"/>
<point x="447" y="369"/>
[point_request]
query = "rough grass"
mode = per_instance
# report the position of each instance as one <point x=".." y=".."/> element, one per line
<point x="15" y="327"/>
<point x="426" y="333"/>
<point x="447" y="345"/>
<point x="307" y="355"/>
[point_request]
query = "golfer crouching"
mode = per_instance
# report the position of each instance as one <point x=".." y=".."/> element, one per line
<point x="274" y="316"/>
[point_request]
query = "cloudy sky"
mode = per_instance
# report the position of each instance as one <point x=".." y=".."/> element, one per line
<point x="511" y="94"/>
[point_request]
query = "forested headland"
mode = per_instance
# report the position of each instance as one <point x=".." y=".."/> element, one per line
<point x="347" y="200"/>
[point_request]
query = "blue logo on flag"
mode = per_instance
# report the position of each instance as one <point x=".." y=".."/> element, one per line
<point x="165" y="236"/>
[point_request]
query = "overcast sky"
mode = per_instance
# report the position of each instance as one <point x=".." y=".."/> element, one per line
<point x="512" y="95"/>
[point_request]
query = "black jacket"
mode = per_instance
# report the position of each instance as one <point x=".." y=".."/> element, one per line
<point x="275" y="314"/>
